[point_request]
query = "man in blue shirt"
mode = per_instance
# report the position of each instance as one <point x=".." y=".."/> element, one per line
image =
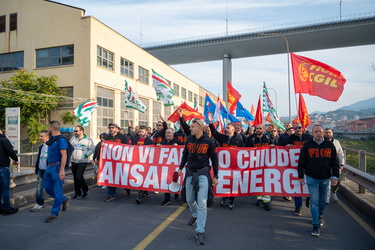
<point x="55" y="173"/>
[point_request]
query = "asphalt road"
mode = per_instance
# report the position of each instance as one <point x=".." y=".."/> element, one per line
<point x="122" y="224"/>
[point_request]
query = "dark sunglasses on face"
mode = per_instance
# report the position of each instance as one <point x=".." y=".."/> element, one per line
<point x="297" y="127"/>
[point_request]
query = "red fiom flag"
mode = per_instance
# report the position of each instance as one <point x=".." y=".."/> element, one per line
<point x="316" y="78"/>
<point x="258" y="115"/>
<point x="188" y="113"/>
<point x="233" y="97"/>
<point x="303" y="114"/>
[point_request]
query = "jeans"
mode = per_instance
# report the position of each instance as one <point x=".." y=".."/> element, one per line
<point x="318" y="194"/>
<point x="112" y="191"/>
<point x="4" y="188"/>
<point x="297" y="201"/>
<point x="53" y="186"/>
<point x="39" y="187"/>
<point x="78" y="170"/>
<point x="198" y="202"/>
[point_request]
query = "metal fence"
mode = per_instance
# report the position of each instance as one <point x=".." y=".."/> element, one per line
<point x="359" y="175"/>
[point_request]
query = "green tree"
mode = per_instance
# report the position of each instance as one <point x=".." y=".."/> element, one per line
<point x="36" y="96"/>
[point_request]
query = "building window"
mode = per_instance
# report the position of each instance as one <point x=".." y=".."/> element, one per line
<point x="176" y="89"/>
<point x="104" y="58"/>
<point x="13" y="21"/>
<point x="142" y="75"/>
<point x="2" y="24"/>
<point x="195" y="100"/>
<point x="11" y="61"/>
<point x="127" y="114"/>
<point x="190" y="96"/>
<point x="105" y="110"/>
<point x="167" y="114"/>
<point x="56" y="56"/>
<point x="201" y="101"/>
<point x="68" y="103"/>
<point x="126" y="68"/>
<point x="156" y="111"/>
<point x="183" y="93"/>
<point x="143" y="117"/>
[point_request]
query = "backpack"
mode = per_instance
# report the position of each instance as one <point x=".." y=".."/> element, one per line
<point x="69" y="151"/>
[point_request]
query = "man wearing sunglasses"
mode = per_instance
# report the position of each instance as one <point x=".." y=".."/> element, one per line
<point x="159" y="134"/>
<point x="199" y="149"/>
<point x="229" y="139"/>
<point x="115" y="136"/>
<point x="298" y="138"/>
<point x="83" y="148"/>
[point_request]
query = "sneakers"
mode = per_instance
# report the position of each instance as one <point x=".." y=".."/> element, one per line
<point x="52" y="218"/>
<point x="192" y="221"/>
<point x="334" y="197"/>
<point x="223" y="201"/>
<point x="321" y="221"/>
<point x="166" y="202"/>
<point x="139" y="199"/>
<point x="37" y="207"/>
<point x="77" y="196"/>
<point x="85" y="194"/>
<point x="145" y="194"/>
<point x="267" y="206"/>
<point x="201" y="240"/>
<point x="109" y="198"/>
<point x="12" y="210"/>
<point x="66" y="203"/>
<point x="287" y="198"/>
<point x="315" y="231"/>
<point x="231" y="205"/>
<point x="297" y="211"/>
<point x="259" y="203"/>
<point x="104" y="187"/>
<point x="327" y="201"/>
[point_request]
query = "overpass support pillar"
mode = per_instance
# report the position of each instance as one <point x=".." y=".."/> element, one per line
<point x="227" y="76"/>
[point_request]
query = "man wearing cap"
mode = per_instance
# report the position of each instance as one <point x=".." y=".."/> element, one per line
<point x="115" y="136"/>
<point x="199" y="149"/>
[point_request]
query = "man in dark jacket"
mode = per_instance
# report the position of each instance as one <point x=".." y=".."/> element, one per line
<point x="141" y="140"/>
<point x="115" y="136"/>
<point x="260" y="140"/>
<point x="172" y="141"/>
<point x="40" y="168"/>
<point x="6" y="152"/>
<point x="298" y="138"/>
<point x="318" y="162"/>
<point x="199" y="149"/>
<point x="229" y="139"/>
<point x="158" y="135"/>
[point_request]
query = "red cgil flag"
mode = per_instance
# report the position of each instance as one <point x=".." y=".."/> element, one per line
<point x="316" y="78"/>
<point x="188" y="113"/>
<point x="303" y="114"/>
<point x="233" y="97"/>
<point x="258" y="115"/>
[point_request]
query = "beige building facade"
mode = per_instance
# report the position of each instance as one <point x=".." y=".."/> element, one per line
<point x="91" y="60"/>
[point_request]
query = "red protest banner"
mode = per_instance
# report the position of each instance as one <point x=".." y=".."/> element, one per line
<point x="242" y="171"/>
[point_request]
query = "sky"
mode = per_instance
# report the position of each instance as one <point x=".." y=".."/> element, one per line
<point x="169" y="20"/>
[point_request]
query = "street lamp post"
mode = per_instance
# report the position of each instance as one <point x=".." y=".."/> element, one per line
<point x="287" y="50"/>
<point x="275" y="96"/>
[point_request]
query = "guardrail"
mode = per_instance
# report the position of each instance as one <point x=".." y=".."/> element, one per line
<point x="360" y="175"/>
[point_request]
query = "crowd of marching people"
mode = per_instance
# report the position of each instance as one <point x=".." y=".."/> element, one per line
<point x="56" y="152"/>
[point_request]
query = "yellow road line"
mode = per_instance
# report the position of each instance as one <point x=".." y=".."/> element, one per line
<point x="358" y="219"/>
<point x="152" y="236"/>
